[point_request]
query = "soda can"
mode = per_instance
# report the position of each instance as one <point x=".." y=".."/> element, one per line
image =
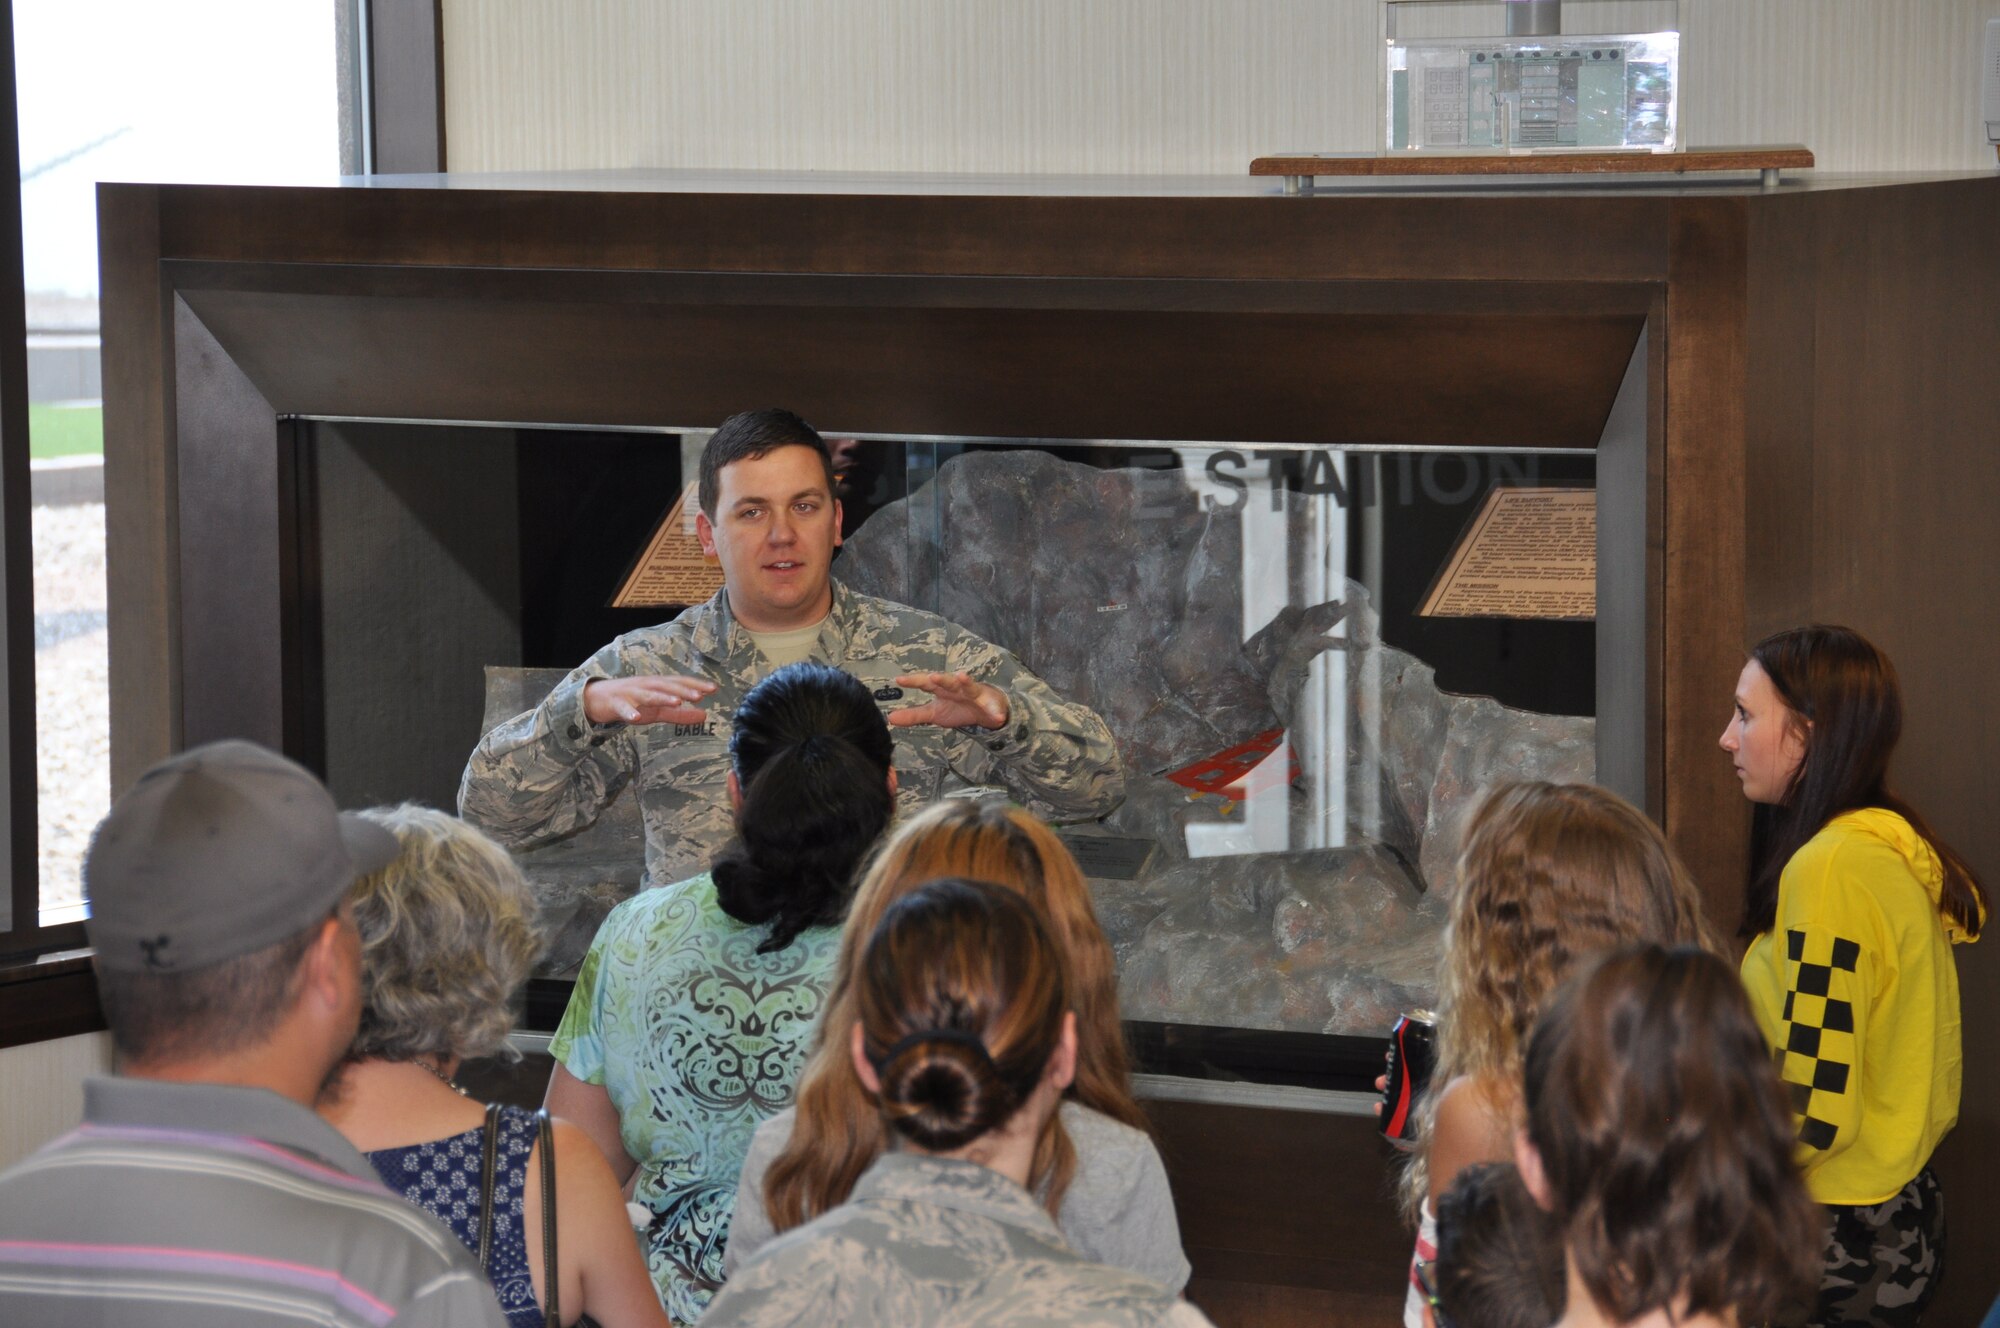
<point x="1412" y="1055"/>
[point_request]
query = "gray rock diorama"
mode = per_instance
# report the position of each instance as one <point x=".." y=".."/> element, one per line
<point x="1124" y="592"/>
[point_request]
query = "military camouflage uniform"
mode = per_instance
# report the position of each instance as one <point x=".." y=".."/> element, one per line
<point x="928" y="1240"/>
<point x="551" y="771"/>
<point x="1883" y="1261"/>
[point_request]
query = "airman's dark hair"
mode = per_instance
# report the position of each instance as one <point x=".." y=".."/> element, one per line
<point x="751" y="434"/>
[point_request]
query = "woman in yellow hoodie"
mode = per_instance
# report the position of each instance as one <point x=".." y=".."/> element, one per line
<point x="1851" y="919"/>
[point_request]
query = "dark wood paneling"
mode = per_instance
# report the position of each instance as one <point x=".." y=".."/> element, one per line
<point x="1475" y="381"/>
<point x="1890" y="477"/>
<point x="40" y="1002"/>
<point x="1390" y="238"/>
<point x="141" y="508"/>
<point x="1779" y="415"/>
<point x="1706" y="817"/>
<point x="1283" y="1197"/>
<point x="231" y="563"/>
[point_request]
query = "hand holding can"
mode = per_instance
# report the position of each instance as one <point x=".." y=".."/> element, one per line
<point x="1412" y="1056"/>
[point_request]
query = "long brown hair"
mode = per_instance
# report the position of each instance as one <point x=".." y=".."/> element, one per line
<point x="961" y="999"/>
<point x="1846" y="706"/>
<point x="837" y="1132"/>
<point x="1666" y="1141"/>
<point x="1549" y="874"/>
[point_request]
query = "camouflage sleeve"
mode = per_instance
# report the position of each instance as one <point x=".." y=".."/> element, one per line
<point x="1056" y="756"/>
<point x="550" y="770"/>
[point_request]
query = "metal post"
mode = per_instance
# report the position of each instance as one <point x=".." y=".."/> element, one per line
<point x="1534" y="18"/>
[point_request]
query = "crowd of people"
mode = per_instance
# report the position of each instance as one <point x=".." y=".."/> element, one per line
<point x="856" y="1057"/>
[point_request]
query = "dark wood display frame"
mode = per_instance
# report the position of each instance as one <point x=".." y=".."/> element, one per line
<point x="1819" y="421"/>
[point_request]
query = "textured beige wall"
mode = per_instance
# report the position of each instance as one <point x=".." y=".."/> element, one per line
<point x="1128" y="86"/>
<point x="41" y="1090"/>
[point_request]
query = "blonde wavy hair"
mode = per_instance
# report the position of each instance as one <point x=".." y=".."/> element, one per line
<point x="447" y="938"/>
<point x="1549" y="875"/>
<point x="838" y="1130"/>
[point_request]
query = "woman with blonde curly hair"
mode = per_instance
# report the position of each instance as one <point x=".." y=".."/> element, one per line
<point x="448" y="937"/>
<point x="1095" y="1166"/>
<point x="1549" y="875"/>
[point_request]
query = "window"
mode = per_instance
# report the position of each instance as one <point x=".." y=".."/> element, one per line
<point x="247" y="91"/>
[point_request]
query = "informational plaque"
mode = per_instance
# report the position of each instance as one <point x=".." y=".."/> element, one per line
<point x="673" y="569"/>
<point x="1529" y="553"/>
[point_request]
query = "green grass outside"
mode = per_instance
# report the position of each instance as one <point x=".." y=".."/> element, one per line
<point x="60" y="431"/>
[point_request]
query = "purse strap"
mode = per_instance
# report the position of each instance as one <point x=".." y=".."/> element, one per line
<point x="489" y="1150"/>
<point x="551" y="1281"/>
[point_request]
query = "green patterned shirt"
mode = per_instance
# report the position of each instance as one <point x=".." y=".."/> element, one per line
<point x="698" y="1039"/>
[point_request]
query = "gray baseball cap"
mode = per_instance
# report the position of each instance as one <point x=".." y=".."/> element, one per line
<point x="219" y="852"/>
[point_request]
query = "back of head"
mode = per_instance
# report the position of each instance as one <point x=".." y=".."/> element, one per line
<point x="961" y="997"/>
<point x="1499" y="1256"/>
<point x="811" y="752"/>
<point x="748" y="435"/>
<point x="1550" y="874"/>
<point x="838" y="1132"/>
<point x="447" y="938"/>
<point x="1843" y="694"/>
<point x="1006" y="846"/>
<point x="208" y="882"/>
<point x="1665" y="1141"/>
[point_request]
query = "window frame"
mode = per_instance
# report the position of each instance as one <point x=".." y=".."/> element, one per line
<point x="393" y="53"/>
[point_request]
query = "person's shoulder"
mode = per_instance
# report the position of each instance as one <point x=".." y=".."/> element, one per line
<point x="774" y="1132"/>
<point x="363" y="1217"/>
<point x="791" y="1278"/>
<point x="1869" y="860"/>
<point x="1116" y="1164"/>
<point x="840" y="1238"/>
<point x="661" y="637"/>
<point x="651" y="905"/>
<point x="874" y="612"/>
<point x="1079" y="1291"/>
<point x="239" y="1189"/>
<point x="1089" y="1127"/>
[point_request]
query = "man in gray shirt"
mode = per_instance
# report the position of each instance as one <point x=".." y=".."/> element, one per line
<point x="201" y="1189"/>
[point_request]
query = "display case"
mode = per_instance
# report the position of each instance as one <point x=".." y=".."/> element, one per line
<point x="1314" y="660"/>
<point x="362" y="442"/>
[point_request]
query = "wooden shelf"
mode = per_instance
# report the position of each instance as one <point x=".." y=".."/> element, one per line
<point x="1766" y="160"/>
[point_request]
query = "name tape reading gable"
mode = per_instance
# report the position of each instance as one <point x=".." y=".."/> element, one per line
<point x="1529" y="553"/>
<point x="673" y="569"/>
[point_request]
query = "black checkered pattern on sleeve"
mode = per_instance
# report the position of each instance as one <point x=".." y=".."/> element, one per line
<point x="1817" y="1059"/>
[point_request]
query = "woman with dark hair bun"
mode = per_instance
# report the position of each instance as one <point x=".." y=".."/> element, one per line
<point x="1851" y="916"/>
<point x="1660" y="1142"/>
<point x="692" y="1011"/>
<point x="965" y="1039"/>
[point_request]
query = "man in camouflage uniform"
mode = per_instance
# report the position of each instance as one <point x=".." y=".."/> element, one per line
<point x="654" y="706"/>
